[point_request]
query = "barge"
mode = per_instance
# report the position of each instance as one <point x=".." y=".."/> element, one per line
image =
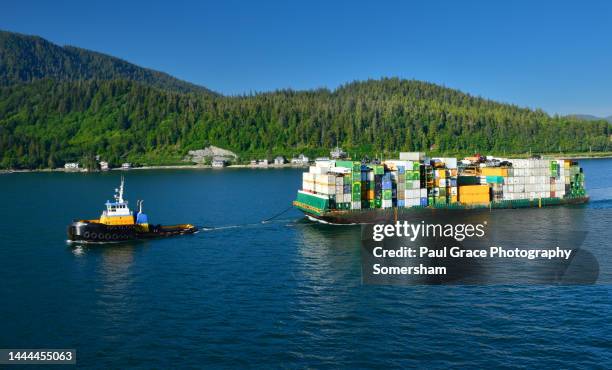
<point x="361" y="192"/>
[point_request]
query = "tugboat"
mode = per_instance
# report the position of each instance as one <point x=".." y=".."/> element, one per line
<point x="118" y="223"/>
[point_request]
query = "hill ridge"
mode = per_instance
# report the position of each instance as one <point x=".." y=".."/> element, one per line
<point x="27" y="58"/>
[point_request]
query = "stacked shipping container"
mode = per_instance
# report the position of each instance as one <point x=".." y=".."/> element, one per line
<point x="414" y="181"/>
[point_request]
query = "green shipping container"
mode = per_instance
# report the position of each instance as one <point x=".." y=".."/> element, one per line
<point x="313" y="201"/>
<point x="357" y="187"/>
<point x="344" y="164"/>
<point x="412" y="175"/>
<point x="379" y="169"/>
<point x="387" y="194"/>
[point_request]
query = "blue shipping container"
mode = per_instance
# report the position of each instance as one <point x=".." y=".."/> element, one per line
<point x="423" y="202"/>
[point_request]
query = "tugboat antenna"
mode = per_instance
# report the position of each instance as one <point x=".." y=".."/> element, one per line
<point x="120" y="196"/>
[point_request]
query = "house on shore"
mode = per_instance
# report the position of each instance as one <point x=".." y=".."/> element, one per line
<point x="301" y="160"/>
<point x="218" y="163"/>
<point x="338" y="153"/>
<point x="71" y="166"/>
<point x="280" y="160"/>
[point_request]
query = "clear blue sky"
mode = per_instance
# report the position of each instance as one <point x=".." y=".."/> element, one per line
<point x="556" y="55"/>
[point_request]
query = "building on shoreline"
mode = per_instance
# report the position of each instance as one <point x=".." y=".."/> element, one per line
<point x="218" y="163"/>
<point x="71" y="166"/>
<point x="301" y="160"/>
<point x="280" y="160"/>
<point x="338" y="153"/>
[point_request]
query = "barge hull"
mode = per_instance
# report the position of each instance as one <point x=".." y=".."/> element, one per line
<point x="380" y="215"/>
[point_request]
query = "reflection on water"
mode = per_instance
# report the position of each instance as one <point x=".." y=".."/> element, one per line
<point x="324" y="248"/>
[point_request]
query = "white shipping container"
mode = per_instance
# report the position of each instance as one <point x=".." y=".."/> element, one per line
<point x="450" y="162"/>
<point x="324" y="189"/>
<point x="308" y="186"/>
<point x="340" y="170"/>
<point x="412" y="156"/>
<point x="325" y="163"/>
<point x="318" y="170"/>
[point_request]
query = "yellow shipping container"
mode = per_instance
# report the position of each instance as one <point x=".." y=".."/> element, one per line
<point x="474" y="194"/>
<point x="473" y="189"/>
<point x="474" y="199"/>
<point x="441" y="173"/>
<point x="369" y="194"/>
<point x="494" y="171"/>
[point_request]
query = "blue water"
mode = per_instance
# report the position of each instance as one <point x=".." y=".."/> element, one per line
<point x="246" y="294"/>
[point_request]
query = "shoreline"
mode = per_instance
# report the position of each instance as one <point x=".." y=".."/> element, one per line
<point x="249" y="166"/>
<point x="160" y="167"/>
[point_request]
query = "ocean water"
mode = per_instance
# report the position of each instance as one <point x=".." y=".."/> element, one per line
<point x="242" y="293"/>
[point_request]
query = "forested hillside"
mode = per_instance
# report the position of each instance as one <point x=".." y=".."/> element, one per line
<point x="48" y="122"/>
<point x="30" y="58"/>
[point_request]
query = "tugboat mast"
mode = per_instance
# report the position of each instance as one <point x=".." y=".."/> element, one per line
<point x="119" y="197"/>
